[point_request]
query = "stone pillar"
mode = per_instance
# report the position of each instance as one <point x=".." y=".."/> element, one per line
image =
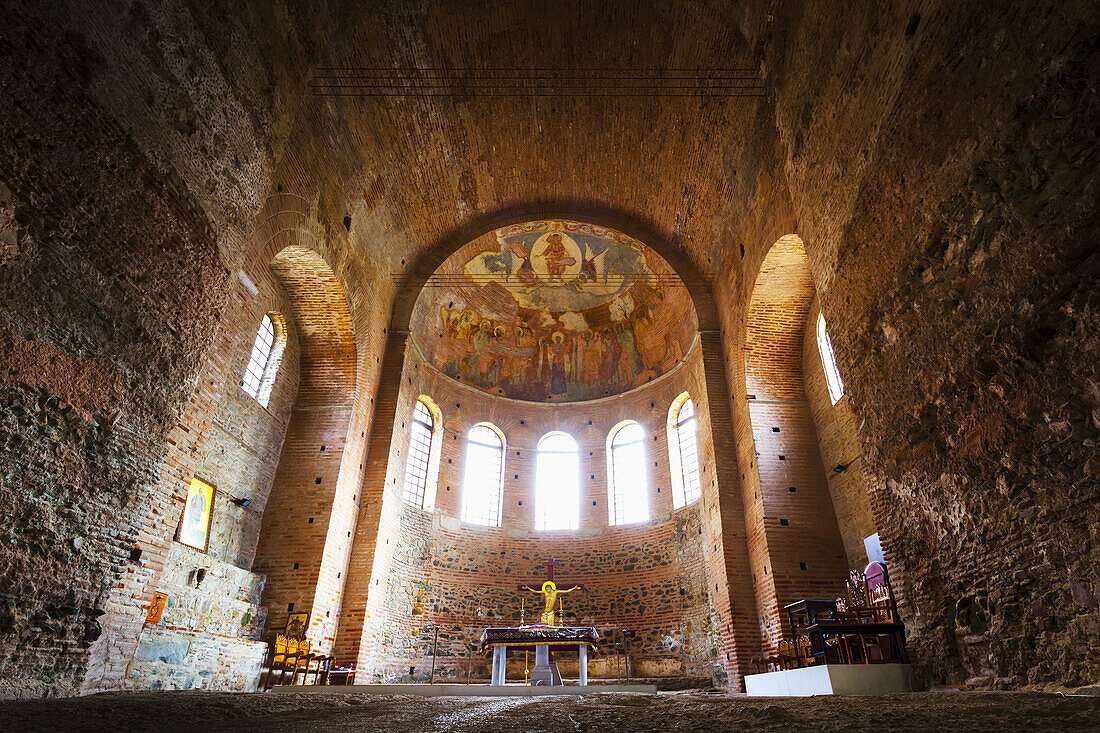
<point x="542" y="674"/>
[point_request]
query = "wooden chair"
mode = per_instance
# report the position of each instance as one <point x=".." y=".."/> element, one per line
<point x="298" y="659"/>
<point x="857" y="591"/>
<point x="276" y="659"/>
<point x="293" y="656"/>
<point x="804" y="651"/>
<point x="788" y="657"/>
<point x="319" y="666"/>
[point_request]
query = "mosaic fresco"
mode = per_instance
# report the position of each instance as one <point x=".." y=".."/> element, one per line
<point x="554" y="311"/>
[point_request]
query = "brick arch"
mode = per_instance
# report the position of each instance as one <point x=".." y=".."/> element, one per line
<point x="669" y="248"/>
<point x="319" y="467"/>
<point x="795" y="541"/>
<point x="781" y="300"/>
<point x="726" y="549"/>
<point x="325" y="333"/>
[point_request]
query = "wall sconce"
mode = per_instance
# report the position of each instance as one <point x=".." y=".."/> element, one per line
<point x="242" y="502"/>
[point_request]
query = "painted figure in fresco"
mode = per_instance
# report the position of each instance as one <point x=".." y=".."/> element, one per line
<point x="628" y="355"/>
<point x="609" y="369"/>
<point x="557" y="258"/>
<point x="525" y="273"/>
<point x="559" y="362"/>
<point x="591" y="350"/>
<point x="650" y="353"/>
<point x="479" y="339"/>
<point x="588" y="269"/>
<point x="525" y="362"/>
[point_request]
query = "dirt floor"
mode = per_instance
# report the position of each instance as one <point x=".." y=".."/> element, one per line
<point x="211" y="711"/>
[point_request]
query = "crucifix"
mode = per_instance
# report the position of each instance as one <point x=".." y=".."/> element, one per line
<point x="550" y="593"/>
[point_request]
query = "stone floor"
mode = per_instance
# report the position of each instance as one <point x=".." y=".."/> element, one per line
<point x="915" y="713"/>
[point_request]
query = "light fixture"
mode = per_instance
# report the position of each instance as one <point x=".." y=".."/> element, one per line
<point x="243" y="501"/>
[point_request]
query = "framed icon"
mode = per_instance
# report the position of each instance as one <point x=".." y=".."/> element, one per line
<point x="156" y="608"/>
<point x="296" y="625"/>
<point x="195" y="527"/>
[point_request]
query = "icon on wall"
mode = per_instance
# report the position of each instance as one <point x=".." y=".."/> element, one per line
<point x="196" y="515"/>
<point x="156" y="608"/>
<point x="296" y="625"/>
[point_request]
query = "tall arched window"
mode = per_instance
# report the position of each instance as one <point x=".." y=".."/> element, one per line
<point x="267" y="352"/>
<point x="828" y="361"/>
<point x="557" y="493"/>
<point x="481" y="487"/>
<point x="683" y="453"/>
<point x="628" y="495"/>
<point x="418" y="463"/>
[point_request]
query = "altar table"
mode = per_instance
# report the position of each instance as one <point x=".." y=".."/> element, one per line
<point x="544" y="639"/>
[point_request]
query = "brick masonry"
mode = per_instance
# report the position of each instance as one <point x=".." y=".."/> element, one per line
<point x="647" y="586"/>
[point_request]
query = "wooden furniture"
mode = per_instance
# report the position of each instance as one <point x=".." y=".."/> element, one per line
<point x="341" y="674"/>
<point x="294" y="656"/>
<point x="851" y="650"/>
<point x="862" y="627"/>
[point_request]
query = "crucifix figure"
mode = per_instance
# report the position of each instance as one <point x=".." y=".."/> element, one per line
<point x="550" y="593"/>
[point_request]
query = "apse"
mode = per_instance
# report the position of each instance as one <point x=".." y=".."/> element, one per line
<point x="544" y="364"/>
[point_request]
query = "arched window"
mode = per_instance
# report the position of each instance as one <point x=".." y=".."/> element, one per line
<point x="481" y="488"/>
<point x="267" y="352"/>
<point x="683" y="453"/>
<point x="628" y="495"/>
<point x="418" y="463"/>
<point x="828" y="360"/>
<point x="557" y="494"/>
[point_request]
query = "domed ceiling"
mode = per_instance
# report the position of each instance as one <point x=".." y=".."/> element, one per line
<point x="555" y="311"/>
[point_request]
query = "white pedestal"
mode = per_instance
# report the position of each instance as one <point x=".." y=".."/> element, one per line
<point x="542" y="673"/>
<point x="832" y="679"/>
<point x="582" y="650"/>
<point x="500" y="654"/>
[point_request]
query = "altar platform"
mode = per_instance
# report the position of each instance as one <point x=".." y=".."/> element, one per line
<point x="545" y="639"/>
<point x="516" y="690"/>
<point x="832" y="679"/>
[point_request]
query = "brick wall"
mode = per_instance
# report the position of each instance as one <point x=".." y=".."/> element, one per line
<point x="838" y="439"/>
<point x="647" y="586"/>
<point x="796" y="550"/>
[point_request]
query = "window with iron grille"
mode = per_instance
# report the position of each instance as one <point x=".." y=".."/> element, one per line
<point x="267" y="353"/>
<point x="420" y="450"/>
<point x="690" y="489"/>
<point x="483" y="482"/>
<point x="557" y="490"/>
<point x="629" y="495"/>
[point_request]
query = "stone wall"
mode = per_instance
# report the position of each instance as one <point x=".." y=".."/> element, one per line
<point x="108" y="291"/>
<point x="208" y="634"/>
<point x="952" y="245"/>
